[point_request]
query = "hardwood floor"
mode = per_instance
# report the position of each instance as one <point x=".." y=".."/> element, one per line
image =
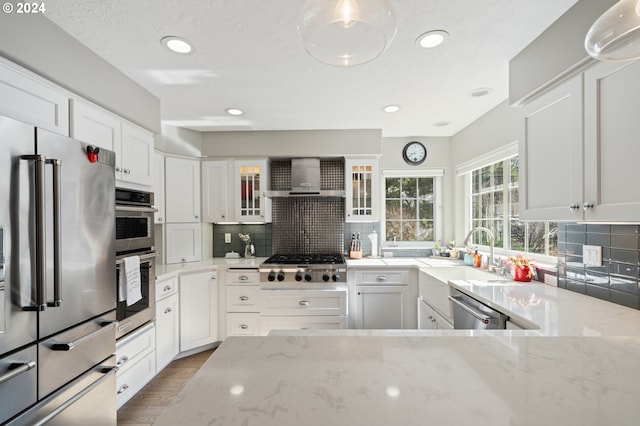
<point x="144" y="408"/>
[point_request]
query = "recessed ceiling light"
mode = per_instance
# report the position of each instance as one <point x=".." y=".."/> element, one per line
<point x="441" y="123"/>
<point x="391" y="108"/>
<point x="234" y="111"/>
<point x="177" y="45"/>
<point x="432" y="38"/>
<point x="480" y="92"/>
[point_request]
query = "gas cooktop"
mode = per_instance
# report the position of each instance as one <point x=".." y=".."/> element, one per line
<point x="306" y="259"/>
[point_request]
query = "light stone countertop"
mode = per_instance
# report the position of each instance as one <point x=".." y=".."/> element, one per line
<point x="413" y="380"/>
<point x="164" y="271"/>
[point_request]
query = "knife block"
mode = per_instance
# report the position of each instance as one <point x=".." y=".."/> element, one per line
<point x="355" y="254"/>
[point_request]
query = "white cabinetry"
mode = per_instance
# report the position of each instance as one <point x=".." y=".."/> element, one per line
<point x="136" y="361"/>
<point x="430" y="319"/>
<point x="568" y="175"/>
<point x="198" y="309"/>
<point x="251" y="178"/>
<point x="214" y="191"/>
<point x="167" y="321"/>
<point x="361" y="189"/>
<point x="183" y="242"/>
<point x="28" y="98"/>
<point x="242" y="302"/>
<point x="301" y="308"/>
<point x="133" y="145"/>
<point x="182" y="190"/>
<point x="386" y="299"/>
<point x="158" y="187"/>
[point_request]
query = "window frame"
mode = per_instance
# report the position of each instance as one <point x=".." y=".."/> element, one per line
<point x="438" y="175"/>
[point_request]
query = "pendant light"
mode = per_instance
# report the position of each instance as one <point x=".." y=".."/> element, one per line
<point x="346" y="32"/>
<point x="615" y="36"/>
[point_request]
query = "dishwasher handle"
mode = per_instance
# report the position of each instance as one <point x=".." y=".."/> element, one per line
<point x="470" y="310"/>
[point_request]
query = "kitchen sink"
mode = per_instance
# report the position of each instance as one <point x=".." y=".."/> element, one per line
<point x="466" y="273"/>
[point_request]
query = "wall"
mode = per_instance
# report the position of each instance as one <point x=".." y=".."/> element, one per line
<point x="294" y="143"/>
<point x="36" y="43"/>
<point x="177" y="140"/>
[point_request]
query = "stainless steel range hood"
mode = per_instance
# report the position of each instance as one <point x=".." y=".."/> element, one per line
<point x="305" y="181"/>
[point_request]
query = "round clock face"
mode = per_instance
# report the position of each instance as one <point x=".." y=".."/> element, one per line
<point x="414" y="153"/>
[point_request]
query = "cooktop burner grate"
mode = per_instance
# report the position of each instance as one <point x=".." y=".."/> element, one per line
<point x="306" y="259"/>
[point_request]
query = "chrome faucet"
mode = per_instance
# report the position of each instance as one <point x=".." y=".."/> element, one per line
<point x="491" y="243"/>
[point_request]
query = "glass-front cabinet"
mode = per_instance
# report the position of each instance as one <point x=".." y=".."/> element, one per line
<point x="251" y="180"/>
<point x="361" y="188"/>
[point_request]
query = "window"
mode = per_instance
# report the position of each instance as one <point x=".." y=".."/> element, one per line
<point x="411" y="209"/>
<point x="494" y="205"/>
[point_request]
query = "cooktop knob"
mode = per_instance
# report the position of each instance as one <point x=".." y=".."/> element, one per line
<point x="271" y="276"/>
<point x="298" y="276"/>
<point x="280" y="276"/>
<point x="336" y="277"/>
<point x="325" y="277"/>
<point x="308" y="276"/>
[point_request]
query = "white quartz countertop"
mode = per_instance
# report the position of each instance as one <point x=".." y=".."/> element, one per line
<point x="164" y="271"/>
<point x="413" y="380"/>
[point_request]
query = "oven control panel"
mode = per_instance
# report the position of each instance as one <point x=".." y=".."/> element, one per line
<point x="302" y="275"/>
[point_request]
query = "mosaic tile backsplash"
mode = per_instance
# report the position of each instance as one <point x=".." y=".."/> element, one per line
<point x="617" y="280"/>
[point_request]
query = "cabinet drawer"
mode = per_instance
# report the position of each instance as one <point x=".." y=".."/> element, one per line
<point x="137" y="345"/>
<point x="129" y="382"/>
<point x="243" y="298"/>
<point x="243" y="324"/>
<point x="243" y="276"/>
<point x="166" y="288"/>
<point x="303" y="302"/>
<point x="382" y="277"/>
<point x="268" y="323"/>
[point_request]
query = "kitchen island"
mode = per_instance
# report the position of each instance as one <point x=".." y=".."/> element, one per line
<point x="506" y="378"/>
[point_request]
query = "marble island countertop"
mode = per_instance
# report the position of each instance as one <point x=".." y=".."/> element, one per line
<point x="413" y="380"/>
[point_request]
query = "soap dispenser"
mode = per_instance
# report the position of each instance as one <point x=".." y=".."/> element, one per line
<point x="476" y="259"/>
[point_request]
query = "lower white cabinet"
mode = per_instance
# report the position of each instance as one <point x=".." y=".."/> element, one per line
<point x="430" y="319"/>
<point x="136" y="361"/>
<point x="183" y="242"/>
<point x="299" y="309"/>
<point x="167" y="322"/>
<point x="243" y="324"/>
<point x="198" y="309"/>
<point x="242" y="302"/>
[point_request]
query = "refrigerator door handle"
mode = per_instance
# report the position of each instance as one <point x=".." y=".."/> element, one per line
<point x="57" y="238"/>
<point x="106" y="326"/>
<point x="40" y="272"/>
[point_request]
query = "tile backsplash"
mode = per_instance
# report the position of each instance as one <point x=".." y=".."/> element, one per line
<point x="260" y="237"/>
<point x="617" y="280"/>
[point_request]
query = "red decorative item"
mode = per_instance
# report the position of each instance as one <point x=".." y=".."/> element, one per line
<point x="92" y="154"/>
<point x="521" y="273"/>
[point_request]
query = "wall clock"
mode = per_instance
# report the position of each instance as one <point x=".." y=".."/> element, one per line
<point x="414" y="153"/>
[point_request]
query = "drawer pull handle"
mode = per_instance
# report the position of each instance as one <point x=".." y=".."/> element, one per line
<point x="243" y="278"/>
<point x="168" y="310"/>
<point x="16" y="369"/>
<point x="381" y="278"/>
<point x="167" y="288"/>
<point x="244" y="326"/>
<point x="244" y="298"/>
<point x="303" y="303"/>
<point x="123" y="389"/>
<point x="122" y="361"/>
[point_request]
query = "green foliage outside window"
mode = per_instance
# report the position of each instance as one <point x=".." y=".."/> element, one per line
<point x="409" y="206"/>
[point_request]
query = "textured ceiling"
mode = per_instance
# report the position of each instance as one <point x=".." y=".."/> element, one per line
<point x="249" y="55"/>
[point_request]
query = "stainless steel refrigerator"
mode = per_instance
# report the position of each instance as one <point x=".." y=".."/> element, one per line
<point x="57" y="279"/>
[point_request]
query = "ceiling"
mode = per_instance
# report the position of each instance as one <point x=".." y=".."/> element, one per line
<point x="249" y="56"/>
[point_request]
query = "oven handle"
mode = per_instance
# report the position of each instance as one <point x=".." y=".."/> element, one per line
<point x="120" y="208"/>
<point x="476" y="314"/>
<point x="144" y="258"/>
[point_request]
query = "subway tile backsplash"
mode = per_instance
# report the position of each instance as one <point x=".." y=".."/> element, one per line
<point x="618" y="279"/>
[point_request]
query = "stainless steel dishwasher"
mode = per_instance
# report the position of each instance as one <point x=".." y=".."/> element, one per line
<point x="471" y="314"/>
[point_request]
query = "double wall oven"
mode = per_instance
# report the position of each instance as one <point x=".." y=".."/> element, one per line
<point x="135" y="237"/>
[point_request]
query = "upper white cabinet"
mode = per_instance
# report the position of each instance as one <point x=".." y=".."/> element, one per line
<point x="568" y="175"/>
<point x="158" y="187"/>
<point x="133" y="145"/>
<point x="550" y="150"/>
<point x="214" y="191"/>
<point x="251" y="178"/>
<point x="361" y="189"/>
<point x="182" y="190"/>
<point x="183" y="242"/>
<point x="612" y="129"/>
<point x="25" y="97"/>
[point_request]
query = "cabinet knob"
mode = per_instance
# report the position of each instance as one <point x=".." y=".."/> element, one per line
<point x="118" y="169"/>
<point x="122" y="361"/>
<point x="167" y="288"/>
<point x="184" y="260"/>
<point x="196" y="216"/>
<point x="574" y="207"/>
<point x="223" y="216"/>
<point x="159" y="219"/>
<point x="127" y="171"/>
<point x="244" y="326"/>
<point x="243" y="298"/>
<point x="123" y="389"/>
<point x="587" y="206"/>
<point x="168" y="310"/>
